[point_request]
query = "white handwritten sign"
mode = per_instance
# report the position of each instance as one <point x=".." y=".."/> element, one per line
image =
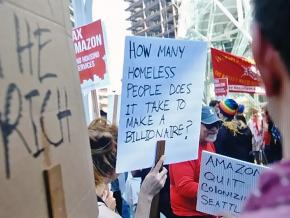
<point x="162" y="91"/>
<point x="225" y="183"/>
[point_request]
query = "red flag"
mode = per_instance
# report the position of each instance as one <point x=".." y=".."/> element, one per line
<point x="242" y="74"/>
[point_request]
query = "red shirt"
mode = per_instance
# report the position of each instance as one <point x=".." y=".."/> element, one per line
<point x="184" y="178"/>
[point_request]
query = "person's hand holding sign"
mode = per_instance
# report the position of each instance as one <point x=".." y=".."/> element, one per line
<point x="152" y="184"/>
<point x="155" y="180"/>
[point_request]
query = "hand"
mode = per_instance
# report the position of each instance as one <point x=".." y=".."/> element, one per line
<point x="109" y="200"/>
<point x="155" y="180"/>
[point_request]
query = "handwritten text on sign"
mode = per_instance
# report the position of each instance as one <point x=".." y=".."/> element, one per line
<point x="41" y="123"/>
<point x="161" y="99"/>
<point x="27" y="102"/>
<point x="225" y="184"/>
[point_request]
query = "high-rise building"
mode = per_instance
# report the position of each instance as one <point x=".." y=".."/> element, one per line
<point x="157" y="18"/>
<point x="225" y="25"/>
<point x="71" y="13"/>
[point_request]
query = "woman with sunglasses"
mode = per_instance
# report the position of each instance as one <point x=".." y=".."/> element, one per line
<point x="184" y="177"/>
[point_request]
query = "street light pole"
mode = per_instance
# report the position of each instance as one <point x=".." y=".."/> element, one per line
<point x="82" y="11"/>
<point x="83" y="15"/>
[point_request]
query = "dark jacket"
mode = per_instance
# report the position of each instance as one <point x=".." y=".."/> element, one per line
<point x="273" y="151"/>
<point x="234" y="140"/>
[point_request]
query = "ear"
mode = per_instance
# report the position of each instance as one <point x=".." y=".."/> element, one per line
<point x="268" y="62"/>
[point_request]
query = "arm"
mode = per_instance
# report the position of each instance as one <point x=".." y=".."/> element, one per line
<point x="183" y="176"/>
<point x="151" y="186"/>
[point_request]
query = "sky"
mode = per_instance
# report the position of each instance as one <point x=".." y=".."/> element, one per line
<point x="113" y="15"/>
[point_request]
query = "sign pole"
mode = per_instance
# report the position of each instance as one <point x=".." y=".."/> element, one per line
<point x="53" y="185"/>
<point x="115" y="109"/>
<point x="160" y="148"/>
<point x="55" y="192"/>
<point x="96" y="109"/>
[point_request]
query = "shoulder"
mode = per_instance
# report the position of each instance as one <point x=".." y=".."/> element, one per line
<point x="224" y="131"/>
<point x="105" y="212"/>
<point x="245" y="131"/>
<point x="181" y="164"/>
<point x="223" y="128"/>
<point x="279" y="211"/>
<point x="273" y="188"/>
<point x="210" y="147"/>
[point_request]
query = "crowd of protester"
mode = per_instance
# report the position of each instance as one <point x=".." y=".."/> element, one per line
<point x="224" y="129"/>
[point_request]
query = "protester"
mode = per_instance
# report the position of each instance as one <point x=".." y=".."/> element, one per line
<point x="255" y="124"/>
<point x="241" y="109"/>
<point x="118" y="187"/>
<point x="234" y="138"/>
<point x="122" y="206"/>
<point x="103" y="138"/>
<point x="184" y="176"/>
<point x="227" y="109"/>
<point x="240" y="113"/>
<point x="215" y="105"/>
<point x="271" y="47"/>
<point x="271" y="139"/>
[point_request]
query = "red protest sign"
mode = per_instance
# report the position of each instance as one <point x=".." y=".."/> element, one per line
<point x="242" y="74"/>
<point x="90" y="51"/>
<point x="221" y="87"/>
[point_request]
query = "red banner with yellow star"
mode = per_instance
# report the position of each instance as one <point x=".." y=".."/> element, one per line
<point x="241" y="73"/>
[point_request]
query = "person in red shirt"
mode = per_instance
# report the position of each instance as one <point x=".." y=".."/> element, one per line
<point x="184" y="176"/>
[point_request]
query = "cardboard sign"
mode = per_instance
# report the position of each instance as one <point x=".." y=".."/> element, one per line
<point x="221" y="86"/>
<point x="224" y="184"/>
<point x="41" y="115"/>
<point x="90" y="54"/>
<point x="161" y="100"/>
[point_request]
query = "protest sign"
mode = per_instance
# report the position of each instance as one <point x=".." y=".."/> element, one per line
<point x="161" y="99"/>
<point x="90" y="55"/>
<point x="224" y="184"/>
<point x="221" y="86"/>
<point x="41" y="115"/>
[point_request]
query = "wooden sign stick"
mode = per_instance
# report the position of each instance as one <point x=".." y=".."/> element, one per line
<point x="55" y="192"/>
<point x="115" y="110"/>
<point x="95" y="102"/>
<point x="53" y="185"/>
<point x="155" y="202"/>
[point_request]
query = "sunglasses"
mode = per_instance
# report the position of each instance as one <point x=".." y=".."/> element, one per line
<point x="213" y="125"/>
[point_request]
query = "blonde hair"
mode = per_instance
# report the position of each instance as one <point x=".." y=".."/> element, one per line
<point x="103" y="142"/>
